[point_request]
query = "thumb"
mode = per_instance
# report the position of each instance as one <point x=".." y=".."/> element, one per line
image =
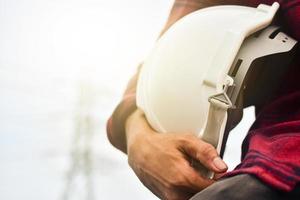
<point x="205" y="153"/>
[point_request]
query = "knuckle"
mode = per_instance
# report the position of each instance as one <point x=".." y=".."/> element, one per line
<point x="186" y="165"/>
<point x="183" y="139"/>
<point x="193" y="178"/>
<point x="208" y="150"/>
<point x="179" y="182"/>
<point x="175" y="182"/>
<point x="187" y="138"/>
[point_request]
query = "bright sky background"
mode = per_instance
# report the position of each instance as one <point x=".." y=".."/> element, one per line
<point x="62" y="62"/>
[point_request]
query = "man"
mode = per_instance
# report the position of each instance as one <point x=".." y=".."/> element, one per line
<point x="270" y="167"/>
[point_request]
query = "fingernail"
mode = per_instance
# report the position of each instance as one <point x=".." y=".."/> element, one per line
<point x="219" y="163"/>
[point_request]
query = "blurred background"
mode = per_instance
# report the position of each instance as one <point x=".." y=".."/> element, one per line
<point x="63" y="67"/>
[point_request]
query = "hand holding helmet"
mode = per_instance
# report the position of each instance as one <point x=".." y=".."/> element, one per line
<point x="151" y="154"/>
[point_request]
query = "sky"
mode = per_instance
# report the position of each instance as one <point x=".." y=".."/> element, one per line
<point x="63" y="67"/>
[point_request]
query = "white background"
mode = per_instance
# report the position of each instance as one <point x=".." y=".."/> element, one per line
<point x="63" y="67"/>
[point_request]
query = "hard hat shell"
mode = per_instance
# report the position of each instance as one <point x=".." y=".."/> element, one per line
<point x="190" y="63"/>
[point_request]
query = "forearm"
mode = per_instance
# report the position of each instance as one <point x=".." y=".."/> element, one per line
<point x="116" y="123"/>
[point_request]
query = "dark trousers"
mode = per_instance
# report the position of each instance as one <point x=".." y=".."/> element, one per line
<point x="244" y="187"/>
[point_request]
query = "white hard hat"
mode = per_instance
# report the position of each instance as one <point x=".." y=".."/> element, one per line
<point x="198" y="68"/>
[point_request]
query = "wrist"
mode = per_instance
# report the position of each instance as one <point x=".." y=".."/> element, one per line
<point x="136" y="128"/>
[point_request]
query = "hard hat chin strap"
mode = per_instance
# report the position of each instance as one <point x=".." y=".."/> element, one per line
<point x="215" y="124"/>
<point x="216" y="120"/>
<point x="213" y="133"/>
<point x="217" y="115"/>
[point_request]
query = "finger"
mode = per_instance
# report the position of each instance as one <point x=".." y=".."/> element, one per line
<point x="205" y="153"/>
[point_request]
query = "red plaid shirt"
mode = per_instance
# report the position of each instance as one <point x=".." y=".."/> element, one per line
<point x="271" y="150"/>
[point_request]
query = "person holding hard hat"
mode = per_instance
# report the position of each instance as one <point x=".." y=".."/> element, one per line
<point x="210" y="62"/>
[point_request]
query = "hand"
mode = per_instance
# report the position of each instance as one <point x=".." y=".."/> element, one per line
<point x="162" y="161"/>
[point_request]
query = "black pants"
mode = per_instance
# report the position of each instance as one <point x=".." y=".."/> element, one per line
<point x="244" y="187"/>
